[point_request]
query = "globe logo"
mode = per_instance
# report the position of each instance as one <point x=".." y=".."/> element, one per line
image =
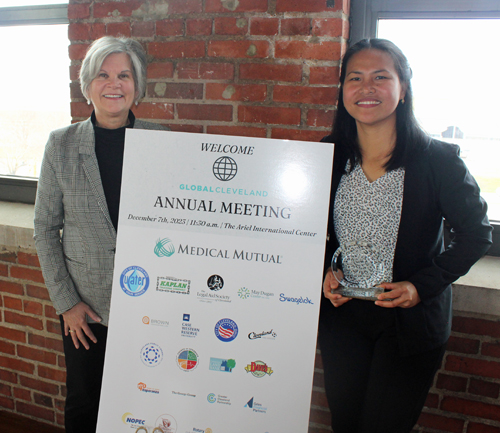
<point x="164" y="248"/>
<point x="225" y="168"/>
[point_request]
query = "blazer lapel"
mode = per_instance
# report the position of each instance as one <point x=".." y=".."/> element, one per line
<point x="91" y="166"/>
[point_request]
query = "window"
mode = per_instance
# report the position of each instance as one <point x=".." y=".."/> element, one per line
<point x="35" y="97"/>
<point x="448" y="44"/>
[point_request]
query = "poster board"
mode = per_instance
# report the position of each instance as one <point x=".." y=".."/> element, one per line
<point x="217" y="284"/>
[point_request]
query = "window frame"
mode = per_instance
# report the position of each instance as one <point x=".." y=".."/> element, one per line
<point x="18" y="188"/>
<point x="366" y="13"/>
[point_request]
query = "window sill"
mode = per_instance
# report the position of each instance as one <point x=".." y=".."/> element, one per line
<point x="476" y="292"/>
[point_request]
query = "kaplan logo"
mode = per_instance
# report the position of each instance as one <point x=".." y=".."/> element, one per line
<point x="173" y="285"/>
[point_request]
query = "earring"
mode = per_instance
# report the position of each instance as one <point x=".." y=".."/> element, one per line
<point x="136" y="103"/>
<point x="403" y="101"/>
<point x="88" y="101"/>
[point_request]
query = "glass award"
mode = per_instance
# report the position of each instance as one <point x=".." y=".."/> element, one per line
<point x="361" y="271"/>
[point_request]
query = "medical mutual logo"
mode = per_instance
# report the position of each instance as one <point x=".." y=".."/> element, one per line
<point x="164" y="248"/>
<point x="134" y="281"/>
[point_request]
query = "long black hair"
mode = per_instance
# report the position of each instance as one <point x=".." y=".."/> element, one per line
<point x="409" y="134"/>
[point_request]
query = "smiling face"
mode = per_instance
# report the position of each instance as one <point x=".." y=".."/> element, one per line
<point x="371" y="89"/>
<point x="113" y="91"/>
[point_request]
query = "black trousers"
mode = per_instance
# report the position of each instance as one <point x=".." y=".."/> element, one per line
<point x="84" y="370"/>
<point x="370" y="387"/>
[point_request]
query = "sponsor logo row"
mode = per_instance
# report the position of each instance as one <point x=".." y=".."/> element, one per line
<point x="188" y="359"/>
<point x="166" y="423"/>
<point x="225" y="330"/>
<point x="135" y="281"/>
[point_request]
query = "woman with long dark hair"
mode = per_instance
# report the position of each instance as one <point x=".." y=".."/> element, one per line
<point x="392" y="188"/>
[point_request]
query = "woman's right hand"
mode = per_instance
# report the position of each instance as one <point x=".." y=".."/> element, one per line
<point x="330" y="284"/>
<point x="75" y="324"/>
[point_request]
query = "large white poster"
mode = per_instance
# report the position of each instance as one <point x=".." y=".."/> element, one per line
<point x="217" y="284"/>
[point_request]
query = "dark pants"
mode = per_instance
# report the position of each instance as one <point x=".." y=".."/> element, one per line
<point x="370" y="387"/>
<point x="83" y="381"/>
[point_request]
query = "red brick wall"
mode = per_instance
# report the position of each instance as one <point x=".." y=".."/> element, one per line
<point x="465" y="397"/>
<point x="262" y="68"/>
<point x="32" y="370"/>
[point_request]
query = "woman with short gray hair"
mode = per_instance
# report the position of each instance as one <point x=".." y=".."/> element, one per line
<point x="76" y="216"/>
<point x="101" y="49"/>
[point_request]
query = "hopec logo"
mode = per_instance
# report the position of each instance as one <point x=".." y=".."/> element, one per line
<point x="164" y="248"/>
<point x="225" y="168"/>
<point x="226" y="330"/>
<point x="259" y="369"/>
<point x="215" y="282"/>
<point x="128" y="418"/>
<point x="151" y="354"/>
<point x="134" y="281"/>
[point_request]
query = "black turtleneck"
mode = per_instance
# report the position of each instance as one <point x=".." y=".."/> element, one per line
<point x="109" y="146"/>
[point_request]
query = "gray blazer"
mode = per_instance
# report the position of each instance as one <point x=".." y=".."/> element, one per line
<point x="74" y="236"/>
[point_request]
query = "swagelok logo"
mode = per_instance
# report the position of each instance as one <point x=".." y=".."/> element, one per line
<point x="297" y="301"/>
